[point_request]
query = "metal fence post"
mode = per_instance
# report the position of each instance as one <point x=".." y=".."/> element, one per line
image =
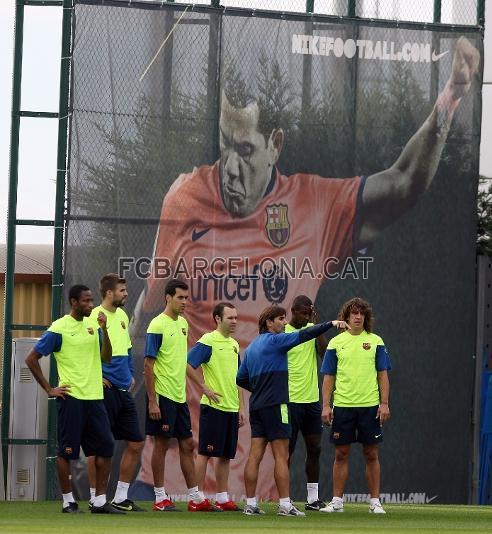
<point x="58" y="244"/>
<point x="351" y="8"/>
<point x="11" y="226"/>
<point x="437" y="11"/>
<point x="481" y="12"/>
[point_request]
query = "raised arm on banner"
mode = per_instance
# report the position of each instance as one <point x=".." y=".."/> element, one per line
<point x="391" y="193"/>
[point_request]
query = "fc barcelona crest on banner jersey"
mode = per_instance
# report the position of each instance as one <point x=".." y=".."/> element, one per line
<point x="277" y="224"/>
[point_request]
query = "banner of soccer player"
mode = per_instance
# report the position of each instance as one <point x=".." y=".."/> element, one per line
<point x="264" y="157"/>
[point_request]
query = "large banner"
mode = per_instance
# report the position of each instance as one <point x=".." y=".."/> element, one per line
<point x="262" y="157"/>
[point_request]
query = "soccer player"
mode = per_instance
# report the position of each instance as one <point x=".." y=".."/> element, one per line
<point x="356" y="367"/>
<point x="221" y="406"/>
<point x="78" y="348"/>
<point x="305" y="408"/>
<point x="245" y="201"/>
<point x="168" y="415"/>
<point x="264" y="372"/>
<point x="118" y="380"/>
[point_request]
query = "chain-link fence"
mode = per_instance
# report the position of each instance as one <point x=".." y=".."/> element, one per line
<point x="199" y="134"/>
<point x="457" y="12"/>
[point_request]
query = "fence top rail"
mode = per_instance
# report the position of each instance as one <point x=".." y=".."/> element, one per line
<point x="275" y="14"/>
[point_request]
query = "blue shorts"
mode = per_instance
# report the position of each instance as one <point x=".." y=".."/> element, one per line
<point x="122" y="414"/>
<point x="175" y="419"/>
<point x="83" y="423"/>
<point x="356" y="424"/>
<point x="304" y="417"/>
<point x="271" y="422"/>
<point x="218" y="432"/>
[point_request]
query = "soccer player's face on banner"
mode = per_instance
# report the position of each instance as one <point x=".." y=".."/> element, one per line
<point x="119" y="295"/>
<point x="247" y="158"/>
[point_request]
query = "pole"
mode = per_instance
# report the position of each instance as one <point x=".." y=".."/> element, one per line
<point x="11" y="226"/>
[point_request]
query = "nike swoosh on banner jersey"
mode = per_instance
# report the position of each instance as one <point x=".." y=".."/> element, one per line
<point x="436" y="57"/>
<point x="199" y="233"/>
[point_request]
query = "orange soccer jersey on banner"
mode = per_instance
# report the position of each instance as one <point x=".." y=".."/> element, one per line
<point x="281" y="250"/>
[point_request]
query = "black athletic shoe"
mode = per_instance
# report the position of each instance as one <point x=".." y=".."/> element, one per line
<point x="127" y="506"/>
<point x="72" y="508"/>
<point x="106" y="508"/>
<point x="314" y="506"/>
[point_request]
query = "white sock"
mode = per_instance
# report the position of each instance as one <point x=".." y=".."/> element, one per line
<point x="337" y="500"/>
<point x="121" y="491"/>
<point x="160" y="494"/>
<point x="100" y="500"/>
<point x="251" y="501"/>
<point x="67" y="498"/>
<point x="374" y="500"/>
<point x="222" y="497"/>
<point x="195" y="495"/>
<point x="312" y="492"/>
<point x="93" y="495"/>
<point x="285" y="503"/>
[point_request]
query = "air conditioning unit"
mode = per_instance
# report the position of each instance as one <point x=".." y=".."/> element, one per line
<point x="26" y="476"/>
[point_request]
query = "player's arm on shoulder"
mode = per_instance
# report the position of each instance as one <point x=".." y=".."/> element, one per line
<point x="389" y="194"/>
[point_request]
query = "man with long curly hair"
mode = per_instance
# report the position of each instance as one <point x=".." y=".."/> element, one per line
<point x="356" y="366"/>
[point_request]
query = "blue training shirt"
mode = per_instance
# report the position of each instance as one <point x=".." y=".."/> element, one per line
<point x="264" y="369"/>
<point x="120" y="371"/>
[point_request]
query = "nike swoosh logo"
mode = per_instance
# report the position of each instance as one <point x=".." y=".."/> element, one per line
<point x="378" y="436"/>
<point x="197" y="234"/>
<point x="437" y="57"/>
<point x="430" y="499"/>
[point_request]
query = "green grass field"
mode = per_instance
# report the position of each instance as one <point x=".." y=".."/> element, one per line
<point x="47" y="517"/>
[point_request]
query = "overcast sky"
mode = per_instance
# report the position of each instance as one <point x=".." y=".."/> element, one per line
<point x="37" y="170"/>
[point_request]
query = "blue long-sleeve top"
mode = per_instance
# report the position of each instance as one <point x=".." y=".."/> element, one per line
<point x="264" y="370"/>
